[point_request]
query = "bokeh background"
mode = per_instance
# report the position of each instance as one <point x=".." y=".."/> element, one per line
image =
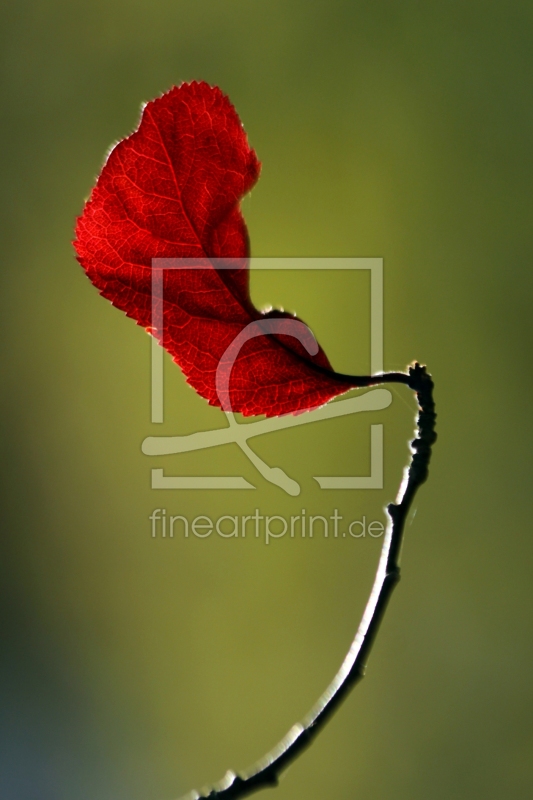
<point x="139" y="669"/>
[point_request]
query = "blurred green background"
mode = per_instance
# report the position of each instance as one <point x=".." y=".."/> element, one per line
<point x="139" y="669"/>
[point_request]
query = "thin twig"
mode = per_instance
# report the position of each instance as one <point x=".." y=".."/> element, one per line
<point x="266" y="772"/>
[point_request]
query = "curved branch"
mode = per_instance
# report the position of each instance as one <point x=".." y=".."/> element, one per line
<point x="266" y="772"/>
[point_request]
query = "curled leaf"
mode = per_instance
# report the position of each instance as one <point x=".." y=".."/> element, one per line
<point x="172" y="190"/>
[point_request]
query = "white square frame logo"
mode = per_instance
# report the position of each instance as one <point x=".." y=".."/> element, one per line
<point x="375" y="399"/>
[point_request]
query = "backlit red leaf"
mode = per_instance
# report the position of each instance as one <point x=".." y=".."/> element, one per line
<point x="172" y="190"/>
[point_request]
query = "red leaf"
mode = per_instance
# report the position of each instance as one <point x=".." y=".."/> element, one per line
<point x="172" y="190"/>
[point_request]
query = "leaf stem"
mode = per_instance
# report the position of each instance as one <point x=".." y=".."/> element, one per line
<point x="266" y="772"/>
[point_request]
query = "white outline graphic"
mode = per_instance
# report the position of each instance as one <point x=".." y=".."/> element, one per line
<point x="375" y="399"/>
